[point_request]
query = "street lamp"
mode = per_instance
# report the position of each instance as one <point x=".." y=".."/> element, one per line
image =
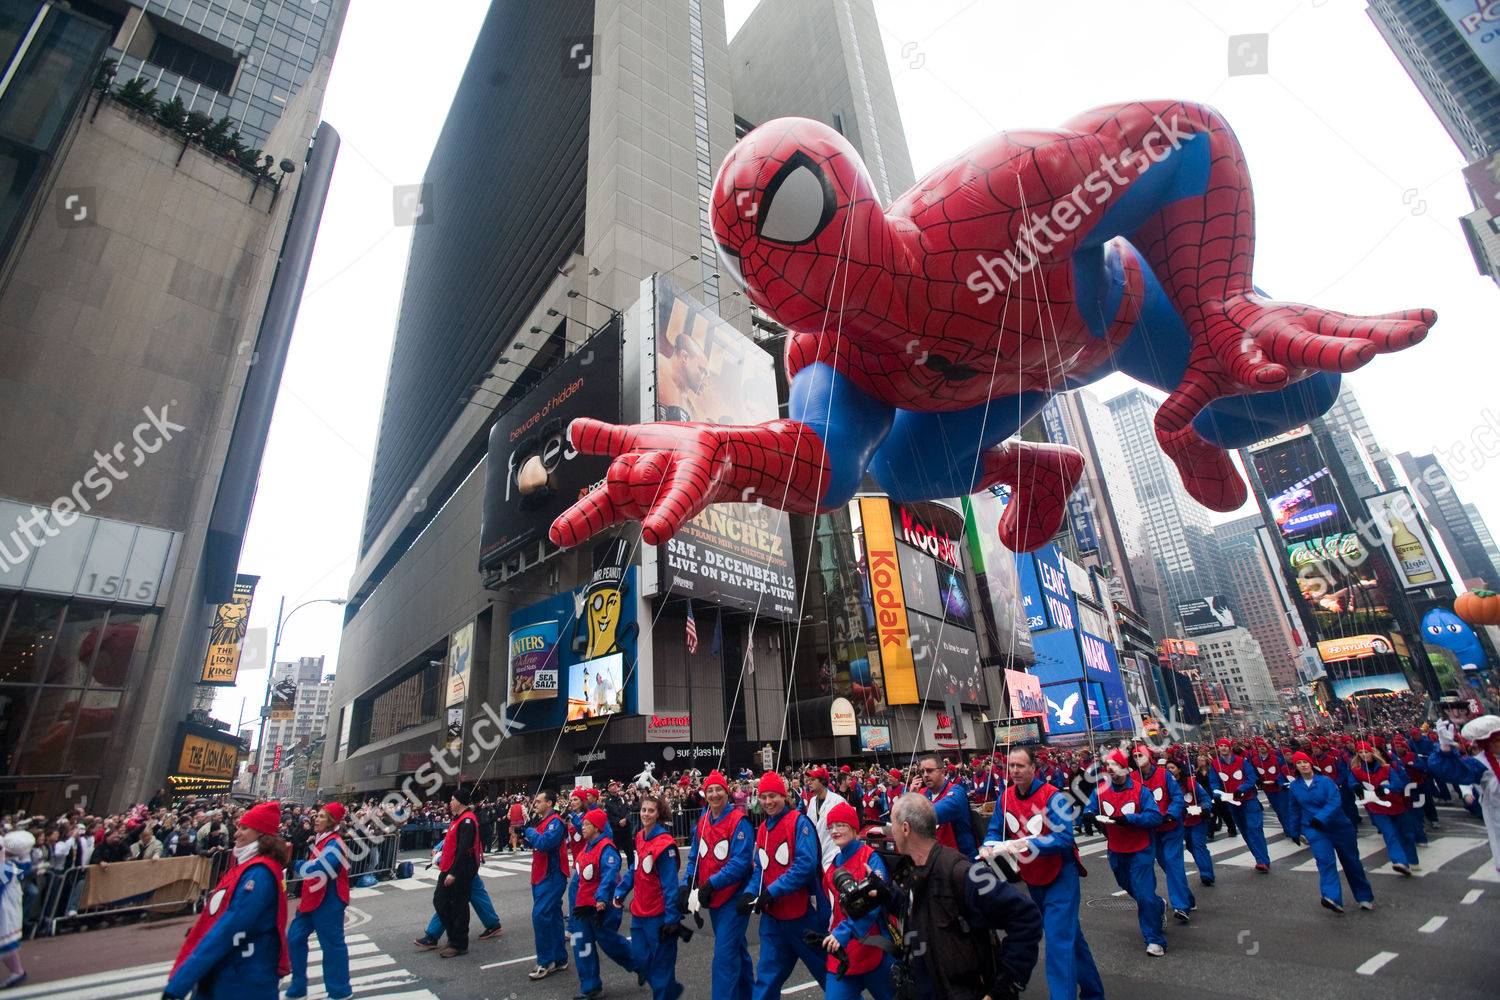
<point x="282" y="617"/>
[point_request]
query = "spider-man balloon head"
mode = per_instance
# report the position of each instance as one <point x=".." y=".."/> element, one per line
<point x="793" y="204"/>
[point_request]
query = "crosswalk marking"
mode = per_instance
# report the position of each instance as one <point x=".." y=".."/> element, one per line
<point x="1487" y="872"/>
<point x="1367" y="846"/>
<point x="1376" y="963"/>
<point x="1275" y="851"/>
<point x="1436" y="854"/>
<point x="1432" y="926"/>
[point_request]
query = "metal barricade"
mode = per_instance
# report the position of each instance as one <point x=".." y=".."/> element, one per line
<point x="57" y="902"/>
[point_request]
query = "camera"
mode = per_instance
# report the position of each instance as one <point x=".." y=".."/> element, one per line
<point x="855" y="896"/>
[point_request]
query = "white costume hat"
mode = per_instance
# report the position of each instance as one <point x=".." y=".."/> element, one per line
<point x="1480" y="729"/>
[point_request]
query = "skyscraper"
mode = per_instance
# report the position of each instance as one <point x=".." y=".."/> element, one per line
<point x="1450" y="50"/>
<point x="1179" y="537"/>
<point x="1257" y="598"/>
<point x="1346" y="415"/>
<point x="1450" y="515"/>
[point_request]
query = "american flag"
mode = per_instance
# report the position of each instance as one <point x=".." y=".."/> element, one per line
<point x="692" y="630"/>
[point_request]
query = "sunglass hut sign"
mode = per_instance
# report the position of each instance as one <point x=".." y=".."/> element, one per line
<point x="936" y="543"/>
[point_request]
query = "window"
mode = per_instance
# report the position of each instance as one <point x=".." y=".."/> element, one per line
<point x="191" y="61"/>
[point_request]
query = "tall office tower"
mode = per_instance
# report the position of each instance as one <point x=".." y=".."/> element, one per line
<point x="148" y="290"/>
<point x="1446" y="512"/>
<point x="576" y="160"/>
<point x="243" y="59"/>
<point x="1257" y="599"/>
<point x="1102" y="512"/>
<point x="309" y="721"/>
<point x="1482" y="531"/>
<point x="1450" y="51"/>
<point x="1233" y="659"/>
<point x="1346" y="415"/>
<point x="1179" y="537"/>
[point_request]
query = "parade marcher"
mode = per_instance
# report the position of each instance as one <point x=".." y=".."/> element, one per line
<point x="820" y="801"/>
<point x="784" y="888"/>
<point x="652" y="886"/>
<point x="594" y="924"/>
<point x="15" y="865"/>
<point x="1128" y="813"/>
<point x="1315" y="810"/>
<point x="484" y="909"/>
<point x="458" y="867"/>
<point x="950" y="908"/>
<point x="1033" y="824"/>
<point x="1481" y="769"/>
<point x="1380" y="783"/>
<point x="237" y="947"/>
<point x="1167" y="837"/>
<point x="852" y="791"/>
<point x="1272" y="773"/>
<point x="951" y="803"/>
<point x="719" y="864"/>
<point x="325" y="895"/>
<point x="853" y="965"/>
<point x="1194" y="820"/>
<point x="573" y="819"/>
<point x="1235" y="785"/>
<point x="547" y="836"/>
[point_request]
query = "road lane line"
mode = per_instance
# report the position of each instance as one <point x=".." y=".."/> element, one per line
<point x="800" y="987"/>
<point x="510" y="961"/>
<point x="1471" y="897"/>
<point x="1432" y="925"/>
<point x="1375" y="964"/>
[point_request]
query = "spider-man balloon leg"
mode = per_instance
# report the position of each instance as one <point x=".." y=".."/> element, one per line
<point x="1188" y="210"/>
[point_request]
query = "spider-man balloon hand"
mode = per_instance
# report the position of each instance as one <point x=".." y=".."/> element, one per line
<point x="925" y="334"/>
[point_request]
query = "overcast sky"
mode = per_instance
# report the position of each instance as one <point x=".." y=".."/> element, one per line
<point x="1357" y="191"/>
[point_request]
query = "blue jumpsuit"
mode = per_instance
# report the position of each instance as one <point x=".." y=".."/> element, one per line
<point x="547" y="895"/>
<point x="781" y="941"/>
<point x="1195" y="837"/>
<point x="655" y="958"/>
<point x="1070" y="964"/>
<point x="1248" y="814"/>
<point x="484" y="909"/>
<point x="1135" y="871"/>
<point x="952" y="807"/>
<point x="327" y="921"/>
<point x="1168" y="846"/>
<point x="238" y="957"/>
<point x="734" y="972"/>
<point x="1277" y="798"/>
<point x="593" y="932"/>
<point x="1400" y="843"/>
<point x="878" y="980"/>
<point x="1315" y="810"/>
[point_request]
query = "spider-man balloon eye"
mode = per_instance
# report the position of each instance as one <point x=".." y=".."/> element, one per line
<point x="799" y="201"/>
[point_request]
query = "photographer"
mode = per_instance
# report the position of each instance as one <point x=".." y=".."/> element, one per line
<point x="956" y="959"/>
<point x="853" y="965"/>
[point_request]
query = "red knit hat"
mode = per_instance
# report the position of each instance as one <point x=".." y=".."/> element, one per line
<point x="821" y="773"/>
<point x="715" y="778"/>
<point x="844" y="813"/>
<point x="770" y="782"/>
<point x="895" y="774"/>
<point x="599" y="818"/>
<point x="1224" y="743"/>
<point x="1118" y="757"/>
<point x="263" y="818"/>
<point x="1299" y="755"/>
<point x="335" y="810"/>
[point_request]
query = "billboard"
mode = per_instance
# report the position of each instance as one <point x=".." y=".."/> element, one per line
<point x="736" y="554"/>
<point x="1205" y="615"/>
<point x="204" y="757"/>
<point x="1025" y="692"/>
<point x="1016" y="732"/>
<point x="1081" y="501"/>
<point x="1478" y="23"/>
<point x="1355" y="647"/>
<point x="593" y="621"/>
<point x="995" y="571"/>
<point x="1406" y="541"/>
<point x="460" y="654"/>
<point x="227" y="636"/>
<point x="946" y="660"/>
<point x="532" y="473"/>
<point x="669" y="728"/>
<point x="284" y="692"/>
<point x="1056" y="591"/>
<point x="932" y="565"/>
<point x="1483" y="176"/>
<point x="531" y="672"/>
<point x="596" y="687"/>
<point x="875" y="739"/>
<point x="888" y="602"/>
<point x="1300" y="489"/>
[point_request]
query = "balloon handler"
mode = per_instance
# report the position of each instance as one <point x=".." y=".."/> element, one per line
<point x="923" y="335"/>
<point x="594" y="925"/>
<point x="237" y="947"/>
<point x="325" y="896"/>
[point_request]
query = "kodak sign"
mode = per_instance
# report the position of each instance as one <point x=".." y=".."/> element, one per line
<point x="890" y="605"/>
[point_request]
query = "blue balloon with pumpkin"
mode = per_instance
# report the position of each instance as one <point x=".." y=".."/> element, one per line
<point x="1441" y="627"/>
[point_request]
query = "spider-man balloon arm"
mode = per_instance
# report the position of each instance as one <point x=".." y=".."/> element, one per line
<point x="664" y="474"/>
<point x="1188" y="208"/>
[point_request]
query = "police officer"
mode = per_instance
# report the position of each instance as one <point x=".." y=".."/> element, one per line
<point x="718" y="868"/>
<point x="950" y="959"/>
<point x="1034" y="825"/>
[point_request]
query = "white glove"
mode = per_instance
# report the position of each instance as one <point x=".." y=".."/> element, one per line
<point x="1195" y="810"/>
<point x="1102" y="819"/>
<point x="1016" y="848"/>
<point x="693" y="905"/>
<point x="1447" y="734"/>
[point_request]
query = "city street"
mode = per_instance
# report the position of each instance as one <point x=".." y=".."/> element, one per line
<point x="1252" y="936"/>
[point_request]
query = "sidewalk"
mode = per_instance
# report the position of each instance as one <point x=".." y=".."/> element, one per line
<point x="87" y="952"/>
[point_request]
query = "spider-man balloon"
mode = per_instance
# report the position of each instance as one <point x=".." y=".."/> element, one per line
<point x="925" y="334"/>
